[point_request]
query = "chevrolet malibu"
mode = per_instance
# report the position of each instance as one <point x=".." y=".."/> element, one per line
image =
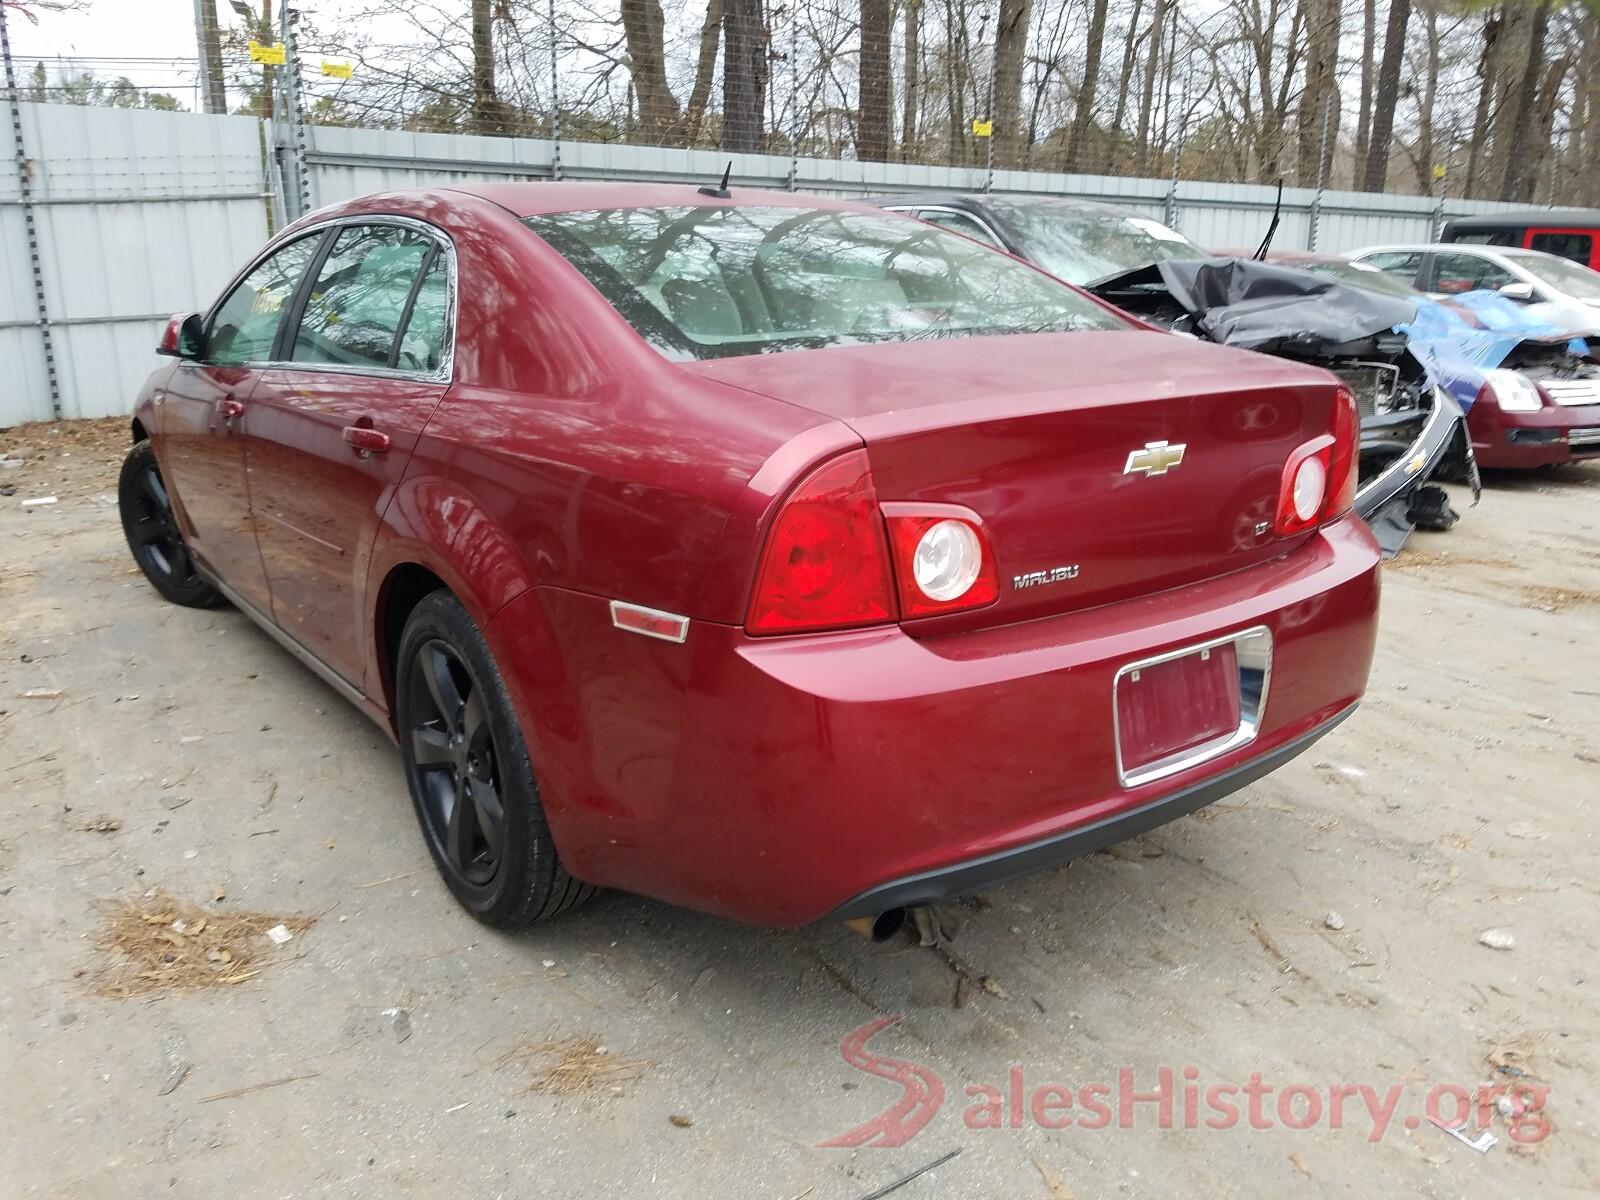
<point x="770" y="555"/>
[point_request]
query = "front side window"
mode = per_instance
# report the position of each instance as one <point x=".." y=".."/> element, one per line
<point x="355" y="308"/>
<point x="1562" y="275"/>
<point x="422" y="341"/>
<point x="721" y="282"/>
<point x="1086" y="245"/>
<point x="1457" y="273"/>
<point x="246" y="323"/>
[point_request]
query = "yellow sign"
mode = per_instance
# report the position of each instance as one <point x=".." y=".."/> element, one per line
<point x="270" y="55"/>
<point x="982" y="128"/>
<point x="337" y="70"/>
<point x="1438" y="171"/>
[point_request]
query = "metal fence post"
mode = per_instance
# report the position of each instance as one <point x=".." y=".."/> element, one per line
<point x="1316" y="196"/>
<point x="794" y="94"/>
<point x="555" y="100"/>
<point x="29" y="224"/>
<point x="1172" y="216"/>
<point x="297" y="124"/>
<point x="988" y="107"/>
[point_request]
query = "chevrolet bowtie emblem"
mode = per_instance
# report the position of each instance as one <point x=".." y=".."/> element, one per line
<point x="1157" y="458"/>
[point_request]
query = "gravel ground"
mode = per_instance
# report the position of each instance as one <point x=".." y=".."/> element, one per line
<point x="1321" y="928"/>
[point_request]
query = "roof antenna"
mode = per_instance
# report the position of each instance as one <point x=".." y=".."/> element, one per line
<point x="721" y="191"/>
<point x="1277" y="214"/>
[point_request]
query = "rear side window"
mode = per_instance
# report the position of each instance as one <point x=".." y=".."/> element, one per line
<point x="355" y="308"/>
<point x="718" y="282"/>
<point x="1457" y="273"/>
<point x="246" y="323"/>
<point x="1575" y="246"/>
<point x="959" y="223"/>
<point x="1402" y="264"/>
<point x="422" y="341"/>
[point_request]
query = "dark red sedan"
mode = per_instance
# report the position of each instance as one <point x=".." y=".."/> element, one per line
<point x="769" y="555"/>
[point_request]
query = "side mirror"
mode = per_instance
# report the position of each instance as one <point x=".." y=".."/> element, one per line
<point x="1522" y="293"/>
<point x="184" y="337"/>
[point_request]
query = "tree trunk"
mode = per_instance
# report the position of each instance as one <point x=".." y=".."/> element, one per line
<point x="1369" y="49"/>
<point x="1386" y="96"/>
<point x="210" y="39"/>
<point x="1542" y="137"/>
<point x="487" y="116"/>
<point x="872" y="129"/>
<point x="1130" y="53"/>
<point x="1010" y="47"/>
<point x="912" y="73"/>
<point x="1316" y="126"/>
<point x="1425" y="152"/>
<point x="1147" y="92"/>
<point x="1488" y="70"/>
<point x="1077" y="150"/>
<point x="705" y="69"/>
<point x="644" y="29"/>
<point x="744" y="76"/>
<point x="1520" y="101"/>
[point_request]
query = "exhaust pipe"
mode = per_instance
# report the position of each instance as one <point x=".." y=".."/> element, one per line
<point x="881" y="927"/>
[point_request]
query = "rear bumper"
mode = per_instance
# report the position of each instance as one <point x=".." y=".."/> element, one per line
<point x="1555" y="434"/>
<point x="973" y="875"/>
<point x="781" y="780"/>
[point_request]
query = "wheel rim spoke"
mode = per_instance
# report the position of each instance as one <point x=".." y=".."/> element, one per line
<point x="490" y="814"/>
<point x="442" y="686"/>
<point x="148" y="530"/>
<point x="430" y="747"/>
<point x="461" y="833"/>
<point x="156" y="490"/>
<point x="475" y="720"/>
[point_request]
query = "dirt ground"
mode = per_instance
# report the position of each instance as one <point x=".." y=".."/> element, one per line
<point x="395" y="1048"/>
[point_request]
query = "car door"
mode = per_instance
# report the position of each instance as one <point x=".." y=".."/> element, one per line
<point x="203" y="418"/>
<point x="1575" y="244"/>
<point x="1452" y="274"/>
<point x="333" y="426"/>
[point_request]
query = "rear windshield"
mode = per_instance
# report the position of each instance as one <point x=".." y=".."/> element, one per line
<point x="718" y="282"/>
<point x="1087" y="245"/>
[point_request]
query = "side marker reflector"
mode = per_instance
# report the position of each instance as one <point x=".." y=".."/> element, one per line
<point x="651" y="622"/>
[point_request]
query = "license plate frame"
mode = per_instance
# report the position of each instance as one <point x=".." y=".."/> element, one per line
<point x="1253" y="660"/>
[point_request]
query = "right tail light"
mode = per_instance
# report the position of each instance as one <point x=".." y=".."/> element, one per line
<point x="1319" y="478"/>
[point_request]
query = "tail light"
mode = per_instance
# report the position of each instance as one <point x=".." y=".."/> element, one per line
<point x="826" y="564"/>
<point x="942" y="560"/>
<point x="1319" y="478"/>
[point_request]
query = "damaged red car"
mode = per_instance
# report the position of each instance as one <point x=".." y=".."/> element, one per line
<point x="769" y="555"/>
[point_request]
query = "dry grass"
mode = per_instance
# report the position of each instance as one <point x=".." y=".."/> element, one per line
<point x="163" y="944"/>
<point x="575" y="1066"/>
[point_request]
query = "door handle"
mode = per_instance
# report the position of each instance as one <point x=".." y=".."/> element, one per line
<point x="366" y="441"/>
<point x="230" y="408"/>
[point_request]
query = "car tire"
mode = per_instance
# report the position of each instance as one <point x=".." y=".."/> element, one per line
<point x="154" y="537"/>
<point x="470" y="777"/>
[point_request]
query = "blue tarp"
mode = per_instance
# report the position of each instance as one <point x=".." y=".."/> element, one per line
<point x="1456" y="353"/>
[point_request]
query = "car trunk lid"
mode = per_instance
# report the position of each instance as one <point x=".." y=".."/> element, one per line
<point x="1103" y="465"/>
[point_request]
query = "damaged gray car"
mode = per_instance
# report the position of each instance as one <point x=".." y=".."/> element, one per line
<point x="1412" y="431"/>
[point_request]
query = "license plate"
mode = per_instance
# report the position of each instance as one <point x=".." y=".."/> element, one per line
<point x="1176" y="710"/>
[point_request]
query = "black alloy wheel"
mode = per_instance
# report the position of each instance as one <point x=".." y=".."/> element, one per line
<point x="153" y="533"/>
<point x="457" y="765"/>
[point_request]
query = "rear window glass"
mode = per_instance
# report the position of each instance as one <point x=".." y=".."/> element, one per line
<point x="718" y="282"/>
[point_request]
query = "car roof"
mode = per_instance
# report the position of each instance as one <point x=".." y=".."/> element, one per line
<point x="992" y="199"/>
<point x="539" y="199"/>
<point x="1551" y="217"/>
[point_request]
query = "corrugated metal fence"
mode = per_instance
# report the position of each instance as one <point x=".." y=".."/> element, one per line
<point x="141" y="214"/>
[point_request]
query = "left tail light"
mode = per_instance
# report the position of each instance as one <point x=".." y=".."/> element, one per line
<point x="826" y="564"/>
<point x="1319" y="478"/>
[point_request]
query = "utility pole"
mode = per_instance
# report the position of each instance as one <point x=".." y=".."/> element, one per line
<point x="208" y="41"/>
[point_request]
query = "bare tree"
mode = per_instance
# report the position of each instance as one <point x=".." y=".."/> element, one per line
<point x="645" y="30"/>
<point x="744" y="75"/>
<point x="1386" y="96"/>
<point x="1152" y="60"/>
<point x="1084" y="116"/>
<point x="911" y="76"/>
<point x="1010" y="46"/>
<point x="1317" y="121"/>
<point x="873" y="132"/>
